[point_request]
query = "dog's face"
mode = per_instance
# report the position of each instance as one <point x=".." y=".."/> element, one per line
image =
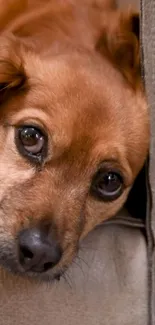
<point x="73" y="136"/>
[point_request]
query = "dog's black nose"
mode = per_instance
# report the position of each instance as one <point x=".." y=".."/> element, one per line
<point x="38" y="253"/>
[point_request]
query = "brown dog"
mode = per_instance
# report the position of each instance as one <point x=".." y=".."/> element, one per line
<point x="74" y="130"/>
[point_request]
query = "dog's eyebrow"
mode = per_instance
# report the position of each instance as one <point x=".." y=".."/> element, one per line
<point x="28" y="113"/>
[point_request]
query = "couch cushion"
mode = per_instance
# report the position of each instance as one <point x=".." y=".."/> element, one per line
<point x="148" y="46"/>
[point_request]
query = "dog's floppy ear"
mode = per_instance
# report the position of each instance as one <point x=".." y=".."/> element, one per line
<point x="119" y="41"/>
<point x="12" y="74"/>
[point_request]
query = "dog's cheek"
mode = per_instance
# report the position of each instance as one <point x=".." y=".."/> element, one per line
<point x="10" y="176"/>
<point x="14" y="169"/>
<point x="97" y="211"/>
<point x="68" y="218"/>
<point x="9" y="215"/>
<point x="14" y="172"/>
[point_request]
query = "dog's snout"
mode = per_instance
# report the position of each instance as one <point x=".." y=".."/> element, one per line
<point x="38" y="253"/>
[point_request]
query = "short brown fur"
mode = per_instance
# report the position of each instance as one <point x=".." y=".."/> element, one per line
<point x="72" y="68"/>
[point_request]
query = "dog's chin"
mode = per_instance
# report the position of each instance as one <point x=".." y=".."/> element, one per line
<point x="48" y="276"/>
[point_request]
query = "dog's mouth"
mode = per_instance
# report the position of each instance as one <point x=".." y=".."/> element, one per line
<point x="48" y="266"/>
<point x="11" y="264"/>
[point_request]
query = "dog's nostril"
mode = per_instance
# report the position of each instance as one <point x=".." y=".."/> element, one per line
<point x="48" y="266"/>
<point x="26" y="252"/>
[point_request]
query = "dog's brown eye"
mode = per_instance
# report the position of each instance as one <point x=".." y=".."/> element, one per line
<point x="32" y="139"/>
<point x="107" y="185"/>
<point x="30" y="142"/>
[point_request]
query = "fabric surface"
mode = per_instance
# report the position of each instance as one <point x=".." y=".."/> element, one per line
<point x="106" y="286"/>
<point x="148" y="44"/>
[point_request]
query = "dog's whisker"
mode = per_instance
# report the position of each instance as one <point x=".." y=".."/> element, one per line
<point x="67" y="279"/>
<point x="82" y="260"/>
<point x="82" y="248"/>
<point x="79" y="266"/>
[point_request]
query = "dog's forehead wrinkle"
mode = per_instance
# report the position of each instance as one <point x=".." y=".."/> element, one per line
<point x="78" y="90"/>
<point x="68" y="70"/>
<point x="59" y="68"/>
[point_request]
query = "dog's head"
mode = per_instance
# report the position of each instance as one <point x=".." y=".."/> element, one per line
<point x="74" y="134"/>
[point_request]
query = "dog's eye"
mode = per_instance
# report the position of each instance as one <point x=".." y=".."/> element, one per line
<point x="30" y="141"/>
<point x="107" y="185"/>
